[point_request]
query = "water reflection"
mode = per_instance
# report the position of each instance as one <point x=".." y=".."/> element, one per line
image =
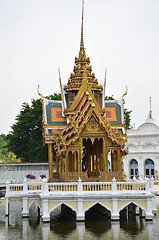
<point x="62" y="229"/>
<point x="76" y="230"/>
<point x="133" y="226"/>
<point x="98" y="228"/>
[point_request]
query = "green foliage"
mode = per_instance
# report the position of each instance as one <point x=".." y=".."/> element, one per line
<point x="25" y="139"/>
<point x="5" y="155"/>
<point x="109" y="97"/>
<point x="56" y="96"/>
<point x="128" y="118"/>
<point x="11" y="157"/>
<point x="3" y="146"/>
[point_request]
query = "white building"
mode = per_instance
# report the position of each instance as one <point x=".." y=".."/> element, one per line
<point x="143" y="157"/>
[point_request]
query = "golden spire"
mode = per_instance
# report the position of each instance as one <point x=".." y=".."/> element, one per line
<point x="81" y="62"/>
<point x="39" y="92"/>
<point x="82" y="40"/>
<point x="125" y="94"/>
<point x="105" y="79"/>
<point x="62" y="97"/>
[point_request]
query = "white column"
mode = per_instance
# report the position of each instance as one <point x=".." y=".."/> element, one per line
<point x="25" y="190"/>
<point x="6" y="227"/>
<point x="152" y="184"/>
<point x="114" y="188"/>
<point x="142" y="170"/>
<point x="45" y="216"/>
<point x="7" y="206"/>
<point x="45" y="231"/>
<point x="7" y="187"/>
<point x="115" y="212"/>
<point x="80" y="190"/>
<point x="44" y="186"/>
<point x="149" y="214"/>
<point x="154" y="209"/>
<point x="25" y="211"/>
<point x="25" y="226"/>
<point x="80" y="213"/>
<point x="115" y="228"/>
<point x="147" y="186"/>
<point x="140" y="167"/>
<point x="80" y="229"/>
<point x="126" y="167"/>
<point x="150" y="230"/>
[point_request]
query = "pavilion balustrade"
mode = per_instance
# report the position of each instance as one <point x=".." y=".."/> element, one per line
<point x="44" y="187"/>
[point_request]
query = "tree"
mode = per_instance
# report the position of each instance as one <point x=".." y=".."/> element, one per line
<point x="109" y="97"/>
<point x="10" y="157"/>
<point x="5" y="155"/>
<point x="128" y="118"/>
<point x="25" y="139"/>
<point x="3" y="146"/>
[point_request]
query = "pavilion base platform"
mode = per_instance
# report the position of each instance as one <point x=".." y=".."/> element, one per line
<point x="114" y="198"/>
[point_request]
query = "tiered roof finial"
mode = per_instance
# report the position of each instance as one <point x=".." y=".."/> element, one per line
<point x="82" y="62"/>
<point x="82" y="40"/>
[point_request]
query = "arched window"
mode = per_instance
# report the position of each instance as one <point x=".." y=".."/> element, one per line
<point x="149" y="168"/>
<point x="133" y="168"/>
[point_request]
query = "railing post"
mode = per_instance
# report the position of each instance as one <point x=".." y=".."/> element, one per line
<point x="6" y="206"/>
<point x="152" y="184"/>
<point x="44" y="186"/>
<point x="25" y="189"/>
<point x="80" y="190"/>
<point x="147" y="185"/>
<point x="80" y="213"/>
<point x="115" y="212"/>
<point x="46" y="215"/>
<point x="7" y="187"/>
<point x="149" y="214"/>
<point x="25" y="211"/>
<point x="114" y="185"/>
<point x="6" y="199"/>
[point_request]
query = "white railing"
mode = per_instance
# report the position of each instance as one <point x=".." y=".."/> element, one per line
<point x="42" y="187"/>
<point x="64" y="187"/>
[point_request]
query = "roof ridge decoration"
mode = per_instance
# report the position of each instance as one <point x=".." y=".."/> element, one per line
<point x="43" y="117"/>
<point x="62" y="97"/>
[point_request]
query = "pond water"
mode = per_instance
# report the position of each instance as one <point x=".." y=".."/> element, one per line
<point x="14" y="227"/>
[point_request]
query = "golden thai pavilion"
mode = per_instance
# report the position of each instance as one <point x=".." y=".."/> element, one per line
<point x="85" y="134"/>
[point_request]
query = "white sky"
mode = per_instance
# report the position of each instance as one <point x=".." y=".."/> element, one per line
<point x="38" y="36"/>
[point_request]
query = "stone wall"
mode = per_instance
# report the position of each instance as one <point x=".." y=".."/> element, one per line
<point x="16" y="172"/>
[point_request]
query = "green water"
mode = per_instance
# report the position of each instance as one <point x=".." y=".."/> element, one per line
<point x="14" y="227"/>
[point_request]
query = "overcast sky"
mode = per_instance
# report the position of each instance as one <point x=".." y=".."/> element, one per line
<point x="38" y="36"/>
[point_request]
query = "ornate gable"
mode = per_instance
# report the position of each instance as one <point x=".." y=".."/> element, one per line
<point x="93" y="126"/>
